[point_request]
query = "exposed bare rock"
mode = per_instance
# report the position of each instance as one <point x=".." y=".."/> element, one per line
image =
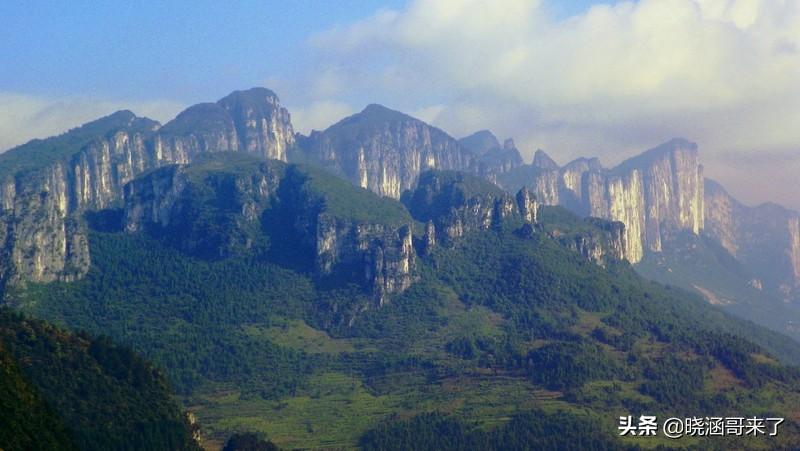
<point x="660" y="189"/>
<point x="225" y="206"/>
<point x="47" y="185"/>
<point x="385" y="150"/>
<point x="543" y="161"/>
<point x="454" y="204"/>
<point x="601" y="241"/>
<point x="765" y="238"/>
<point x="480" y="142"/>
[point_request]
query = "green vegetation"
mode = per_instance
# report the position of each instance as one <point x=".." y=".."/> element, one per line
<point x="27" y="421"/>
<point x="189" y="315"/>
<point x="699" y="264"/>
<point x="497" y="326"/>
<point x="439" y="191"/>
<point x="528" y="431"/>
<point x="342" y="199"/>
<point x="40" y="153"/>
<point x="248" y="441"/>
<point x="103" y="396"/>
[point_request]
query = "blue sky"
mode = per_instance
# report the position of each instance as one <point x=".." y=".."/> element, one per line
<point x="180" y="50"/>
<point x="184" y="51"/>
<point x="574" y="77"/>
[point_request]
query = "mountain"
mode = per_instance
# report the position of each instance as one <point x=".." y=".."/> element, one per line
<point x="659" y="189"/>
<point x="492" y="158"/>
<point x="682" y="229"/>
<point x="215" y="271"/>
<point x="543" y="161"/>
<point x="480" y="142"/>
<point x="699" y="263"/>
<point x="765" y="239"/>
<point x="227" y="205"/>
<point x="65" y="391"/>
<point x="384" y="150"/>
<point x="47" y="185"/>
<point x="379" y="284"/>
<point x="27" y="421"/>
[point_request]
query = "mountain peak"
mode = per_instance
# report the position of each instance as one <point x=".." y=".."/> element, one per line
<point x="542" y="160"/>
<point x="373" y="115"/>
<point x="480" y="142"/>
<point x="651" y="155"/>
<point x="672" y="145"/>
<point x="202" y="117"/>
<point x="381" y="112"/>
<point x="119" y="120"/>
<point x="254" y="95"/>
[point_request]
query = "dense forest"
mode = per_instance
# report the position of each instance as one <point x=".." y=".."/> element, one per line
<point x="71" y="391"/>
<point x="506" y="338"/>
<point x="529" y="431"/>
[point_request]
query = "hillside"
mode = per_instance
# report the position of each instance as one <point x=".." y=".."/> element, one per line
<point x="499" y="323"/>
<point x="65" y="391"/>
<point x="699" y="264"/>
<point x="27" y="421"/>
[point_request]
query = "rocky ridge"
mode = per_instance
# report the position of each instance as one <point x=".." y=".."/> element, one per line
<point x="47" y="185"/>
<point x="384" y="150"/>
<point x="660" y="190"/>
<point x="492" y="159"/>
<point x="765" y="238"/>
<point x="217" y="209"/>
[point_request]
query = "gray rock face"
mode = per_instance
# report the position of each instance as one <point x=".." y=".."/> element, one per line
<point x="765" y="238"/>
<point x="480" y="142"/>
<point x="651" y="194"/>
<point x="43" y="232"/>
<point x="499" y="161"/>
<point x="251" y="121"/>
<point x="384" y="255"/>
<point x="543" y="161"/>
<point x="47" y="185"/>
<point x="173" y="202"/>
<point x="527" y="205"/>
<point x="492" y="159"/>
<point x="603" y="241"/>
<point x="454" y="204"/>
<point x="385" y="151"/>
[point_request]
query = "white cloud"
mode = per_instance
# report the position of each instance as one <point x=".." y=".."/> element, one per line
<point x="24" y="117"/>
<point x="612" y="81"/>
<point x="318" y="115"/>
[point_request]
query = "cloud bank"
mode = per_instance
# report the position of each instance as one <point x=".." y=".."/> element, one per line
<point x="611" y="81"/>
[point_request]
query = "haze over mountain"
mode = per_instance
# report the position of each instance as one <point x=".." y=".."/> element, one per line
<point x="655" y="195"/>
<point x="575" y="77"/>
<point x="269" y="273"/>
<point x="465" y="224"/>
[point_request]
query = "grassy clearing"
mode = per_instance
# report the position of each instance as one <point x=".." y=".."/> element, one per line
<point x="296" y="334"/>
<point x="337" y="409"/>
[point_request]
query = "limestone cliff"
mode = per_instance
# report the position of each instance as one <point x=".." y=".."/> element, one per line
<point x="653" y="193"/>
<point x="384" y="150"/>
<point x="599" y="240"/>
<point x="454" y="204"/>
<point x="219" y="207"/>
<point x="765" y="238"/>
<point x="492" y="159"/>
<point x="47" y="185"/>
